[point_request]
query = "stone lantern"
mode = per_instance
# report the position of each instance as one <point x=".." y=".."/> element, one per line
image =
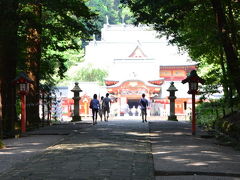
<point x="172" y="89"/>
<point x="76" y="90"/>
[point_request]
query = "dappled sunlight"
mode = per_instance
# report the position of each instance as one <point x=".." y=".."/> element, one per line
<point x="6" y="153"/>
<point x="28" y="151"/>
<point x="137" y="134"/>
<point x="208" y="152"/>
<point x="81" y="146"/>
<point x="198" y="164"/>
<point x="153" y="134"/>
<point x="192" y="146"/>
<point x="175" y="159"/>
<point x="162" y="152"/>
<point x="142" y="134"/>
<point x="126" y="149"/>
<point x="175" y="133"/>
<point x="18" y="148"/>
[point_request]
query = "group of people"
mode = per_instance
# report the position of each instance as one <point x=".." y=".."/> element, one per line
<point x="103" y="107"/>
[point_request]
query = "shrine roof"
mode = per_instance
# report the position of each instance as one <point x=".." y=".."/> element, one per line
<point x="134" y="80"/>
<point x="188" y="64"/>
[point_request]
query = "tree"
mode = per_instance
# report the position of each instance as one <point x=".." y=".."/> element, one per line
<point x="50" y="28"/>
<point x="8" y="62"/>
<point x="33" y="35"/>
<point x="112" y="9"/>
<point x="193" y="27"/>
<point x="228" y="38"/>
<point x="89" y="73"/>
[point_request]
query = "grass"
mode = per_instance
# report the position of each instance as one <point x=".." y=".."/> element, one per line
<point x="1" y="144"/>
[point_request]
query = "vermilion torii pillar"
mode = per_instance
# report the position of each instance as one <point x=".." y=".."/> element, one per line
<point x="23" y="81"/>
<point x="193" y="79"/>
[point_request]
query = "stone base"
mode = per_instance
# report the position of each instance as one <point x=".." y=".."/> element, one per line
<point x="172" y="118"/>
<point x="76" y="118"/>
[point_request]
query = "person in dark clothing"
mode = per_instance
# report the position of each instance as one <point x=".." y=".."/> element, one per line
<point x="143" y="102"/>
<point x="94" y="105"/>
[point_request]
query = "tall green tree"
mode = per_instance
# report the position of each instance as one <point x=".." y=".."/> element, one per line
<point x="50" y="28"/>
<point x="8" y="62"/>
<point x="200" y="27"/>
<point x="33" y="37"/>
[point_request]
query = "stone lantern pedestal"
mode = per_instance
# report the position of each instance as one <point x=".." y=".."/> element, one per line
<point x="76" y="90"/>
<point x="172" y="98"/>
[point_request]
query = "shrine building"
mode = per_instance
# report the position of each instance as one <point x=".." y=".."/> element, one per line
<point x="139" y="61"/>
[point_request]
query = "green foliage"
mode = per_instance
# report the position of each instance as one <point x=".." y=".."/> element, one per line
<point x="1" y="144"/>
<point x="213" y="77"/>
<point x="192" y="26"/>
<point x="64" y="25"/>
<point x="230" y="125"/>
<point x="207" y="114"/>
<point x="89" y="73"/>
<point x="213" y="114"/>
<point x="112" y="9"/>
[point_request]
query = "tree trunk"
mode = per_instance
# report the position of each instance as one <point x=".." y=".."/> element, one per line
<point x="225" y="82"/>
<point x="228" y="46"/>
<point x="8" y="61"/>
<point x="1" y="117"/>
<point x="232" y="26"/>
<point x="33" y="64"/>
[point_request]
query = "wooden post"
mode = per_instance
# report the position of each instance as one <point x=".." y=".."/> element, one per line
<point x="23" y="113"/>
<point x="193" y="115"/>
<point x="43" y="110"/>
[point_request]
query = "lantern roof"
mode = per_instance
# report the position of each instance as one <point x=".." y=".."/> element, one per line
<point x="172" y="87"/>
<point x="22" y="78"/>
<point x="76" y="88"/>
<point x="193" y="77"/>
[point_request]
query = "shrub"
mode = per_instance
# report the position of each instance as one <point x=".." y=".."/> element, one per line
<point x="1" y="144"/>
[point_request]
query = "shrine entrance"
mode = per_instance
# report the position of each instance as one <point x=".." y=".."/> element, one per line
<point x="133" y="103"/>
<point x="128" y="93"/>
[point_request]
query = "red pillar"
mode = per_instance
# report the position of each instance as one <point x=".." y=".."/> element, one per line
<point x="193" y="115"/>
<point x="23" y="113"/>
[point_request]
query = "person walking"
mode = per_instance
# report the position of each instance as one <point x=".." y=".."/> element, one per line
<point x="94" y="105"/>
<point x="101" y="108"/>
<point x="143" y="102"/>
<point x="106" y="107"/>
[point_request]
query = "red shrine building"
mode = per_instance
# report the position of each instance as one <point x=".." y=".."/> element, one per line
<point x="137" y="62"/>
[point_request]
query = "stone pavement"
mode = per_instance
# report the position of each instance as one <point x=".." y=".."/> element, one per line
<point x="33" y="143"/>
<point x="121" y="149"/>
<point x="108" y="150"/>
<point x="179" y="155"/>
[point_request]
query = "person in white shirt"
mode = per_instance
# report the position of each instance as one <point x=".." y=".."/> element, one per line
<point x="143" y="102"/>
<point x="106" y="107"/>
<point x="100" y="112"/>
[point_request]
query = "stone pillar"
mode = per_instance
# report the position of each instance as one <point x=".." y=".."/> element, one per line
<point x="76" y="90"/>
<point x="172" y="98"/>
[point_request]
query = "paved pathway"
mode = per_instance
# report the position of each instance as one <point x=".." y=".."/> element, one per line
<point x="33" y="143"/>
<point x="179" y="155"/>
<point x="121" y="149"/>
<point x="112" y="150"/>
